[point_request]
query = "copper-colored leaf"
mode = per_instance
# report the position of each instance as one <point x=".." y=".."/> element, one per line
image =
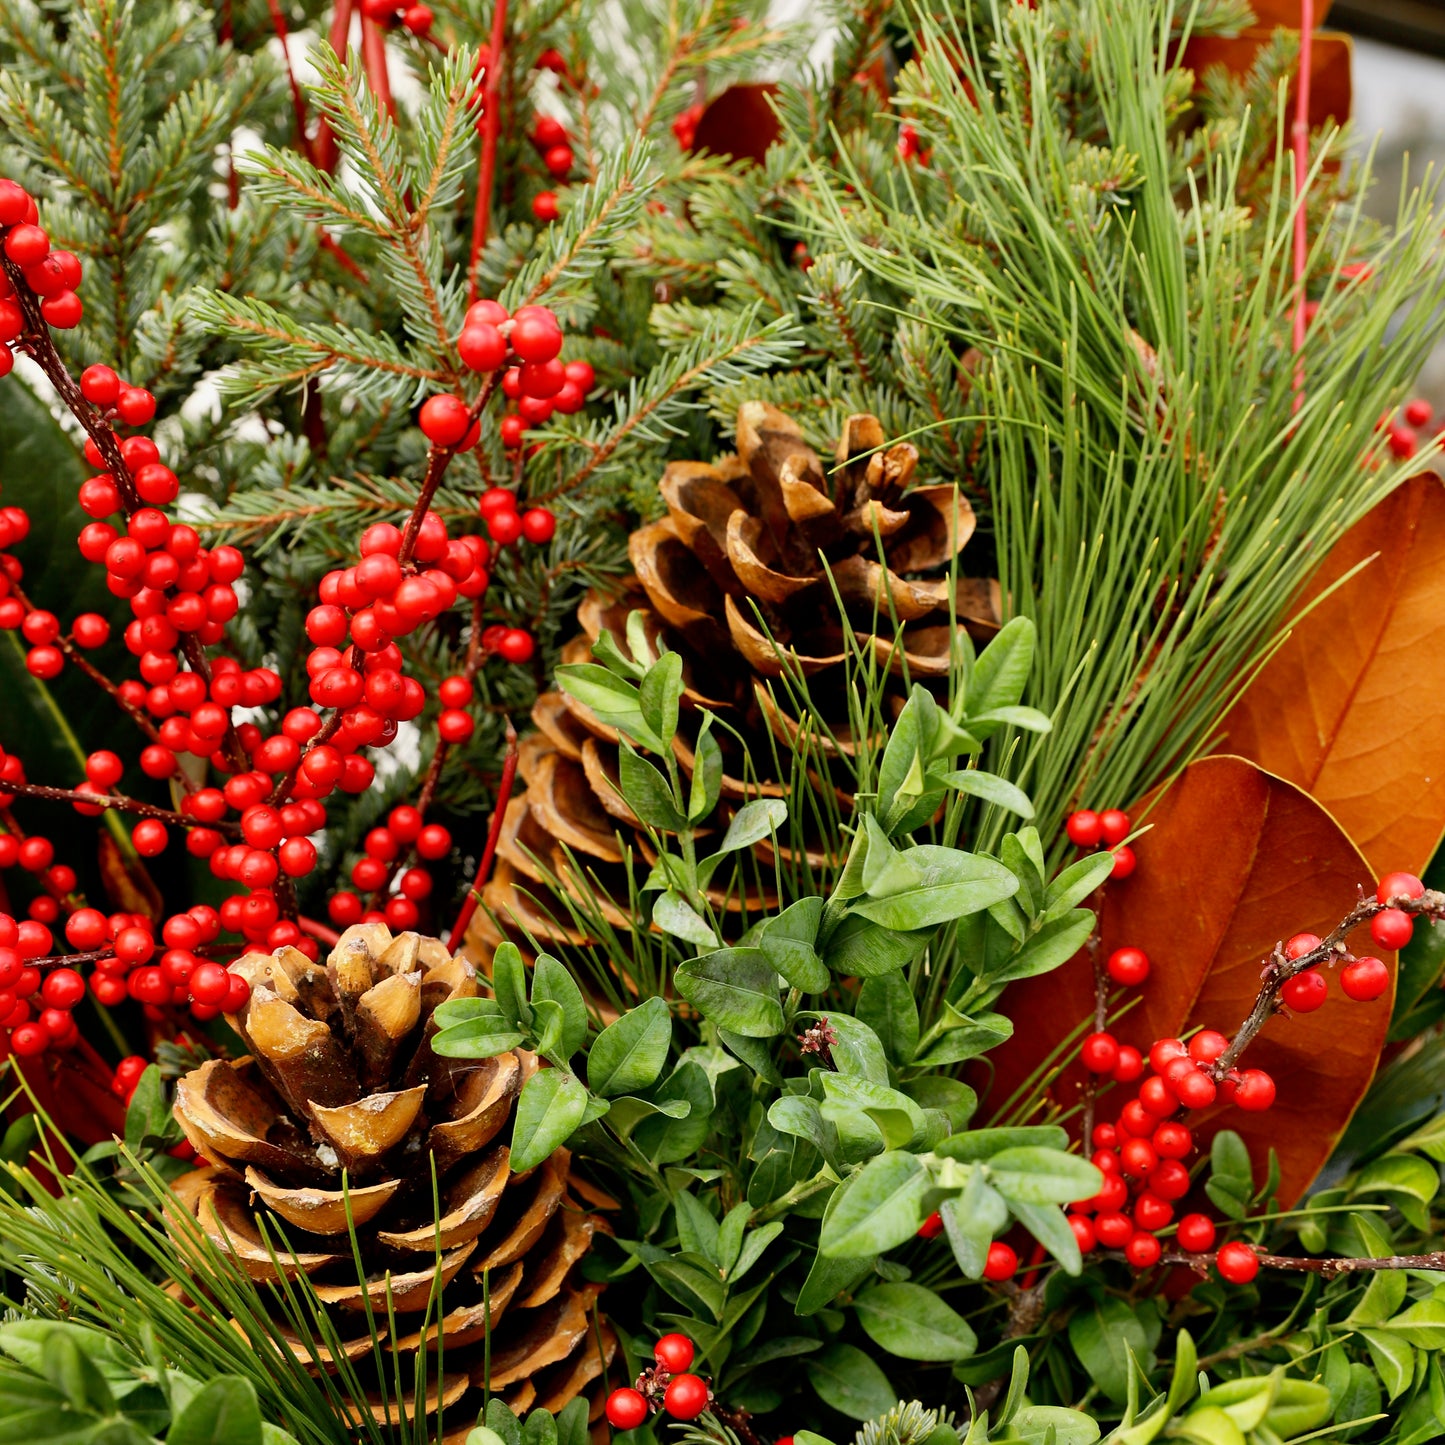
<point x="1350" y="706"/>
<point x="127" y="884"/>
<point x="1235" y="860"/>
<point x="740" y="122"/>
<point x="1331" y="83"/>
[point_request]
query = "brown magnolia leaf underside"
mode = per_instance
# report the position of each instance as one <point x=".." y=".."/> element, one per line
<point x="1350" y="707"/>
<point x="1235" y="860"/>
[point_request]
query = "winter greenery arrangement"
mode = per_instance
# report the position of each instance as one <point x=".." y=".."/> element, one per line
<point x="743" y="746"/>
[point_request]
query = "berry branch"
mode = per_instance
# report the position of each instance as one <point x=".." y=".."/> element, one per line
<point x="99" y="800"/>
<point x="1327" y="1268"/>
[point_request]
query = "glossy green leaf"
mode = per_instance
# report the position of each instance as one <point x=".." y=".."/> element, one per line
<point x="549" y="1110"/>
<point x="952" y="884"/>
<point x="1109" y="1337"/>
<point x="647" y="791"/>
<point x="705" y="786"/>
<point x="991" y="788"/>
<point x="552" y="981"/>
<point x="752" y="823"/>
<point x="629" y="1054"/>
<point x="789" y="940"/>
<point x="1051" y="947"/>
<point x="223" y="1412"/>
<point x="912" y="1322"/>
<point x="659" y="694"/>
<point x="886" y="1005"/>
<point x="848" y="1381"/>
<point x="877" y="1209"/>
<point x="613" y="699"/>
<point x="1034" y="1175"/>
<point x="1076" y="882"/>
<point x="673" y="914"/>
<point x="859" y="948"/>
<point x="858" y="1051"/>
<point x="736" y="989"/>
<point x="1053" y="1425"/>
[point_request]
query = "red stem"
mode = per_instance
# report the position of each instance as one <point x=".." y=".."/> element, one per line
<point x="373" y="56"/>
<point x="324" y="149"/>
<point x="484" y="868"/>
<point x="319" y="931"/>
<point x="491" y="129"/>
<point x="1301" y="139"/>
<point x="298" y="99"/>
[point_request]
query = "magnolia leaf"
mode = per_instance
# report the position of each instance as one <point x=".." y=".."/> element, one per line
<point x="1207" y="918"/>
<point x="1349" y="706"/>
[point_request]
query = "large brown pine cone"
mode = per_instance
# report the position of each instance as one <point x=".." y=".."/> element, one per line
<point x="740" y="579"/>
<point x="341" y="1076"/>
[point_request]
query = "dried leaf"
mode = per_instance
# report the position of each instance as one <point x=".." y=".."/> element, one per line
<point x="1349" y="707"/>
<point x="127" y="884"/>
<point x="1235" y="861"/>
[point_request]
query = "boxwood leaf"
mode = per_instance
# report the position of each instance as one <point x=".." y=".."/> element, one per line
<point x="549" y="1110"/>
<point x="912" y="1322"/>
<point x="879" y="1207"/>
<point x="951" y="884"/>
<point x="846" y="1379"/>
<point x="736" y="989"/>
<point x="629" y="1053"/>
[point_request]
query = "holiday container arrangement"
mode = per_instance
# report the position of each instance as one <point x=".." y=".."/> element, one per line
<point x="703" y="743"/>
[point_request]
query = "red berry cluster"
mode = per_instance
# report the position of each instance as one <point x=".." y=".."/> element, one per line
<point x="528" y="345"/>
<point x="550" y="137"/>
<point x="54" y="276"/>
<point x="665" y="1385"/>
<point x="1402" y="430"/>
<point x="416" y="18"/>
<point x="686" y="124"/>
<point x="1087" y="829"/>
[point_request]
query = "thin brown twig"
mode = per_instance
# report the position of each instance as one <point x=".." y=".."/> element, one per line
<point x="119" y="801"/>
<point x="1327" y="1268"/>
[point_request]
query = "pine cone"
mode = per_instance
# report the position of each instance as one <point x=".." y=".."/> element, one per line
<point x="341" y="1076"/>
<point x="740" y="579"/>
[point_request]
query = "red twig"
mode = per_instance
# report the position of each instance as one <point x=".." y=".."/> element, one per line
<point x="491" y="130"/>
<point x="330" y="244"/>
<point x="298" y="99"/>
<point x="324" y="150"/>
<point x="504" y="797"/>
<point x="373" y="57"/>
<point x="1301" y="139"/>
<point x="319" y="931"/>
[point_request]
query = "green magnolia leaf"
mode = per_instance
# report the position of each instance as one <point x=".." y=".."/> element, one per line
<point x="736" y="989"/>
<point x="647" y="792"/>
<point x="859" y="948"/>
<point x="672" y="913"/>
<point x="659" y="695"/>
<point x="912" y="1322"/>
<point x="879" y="1207"/>
<point x="629" y="1054"/>
<point x="991" y="788"/>
<point x="848" y="1381"/>
<point x="788" y="942"/>
<point x="549" y="1111"/>
<point x="886" y="1005"/>
<point x="552" y="981"/>
<point x="953" y="884"/>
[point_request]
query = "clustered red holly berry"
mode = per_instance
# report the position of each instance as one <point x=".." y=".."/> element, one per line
<point x="526" y="349"/>
<point x="684" y="127"/>
<point x="416" y="18"/>
<point x="1087" y="829"/>
<point x="256" y="825"/>
<point x="1402" y="430"/>
<point x="665" y="1385"/>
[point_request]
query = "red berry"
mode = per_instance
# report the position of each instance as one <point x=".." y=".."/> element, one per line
<point x="1124" y="862"/>
<point x="1196" y="1233"/>
<point x="1137" y="1158"/>
<point x="149" y="837"/>
<point x="482" y="347"/>
<point x="1105" y="1136"/>
<point x="1157" y="1097"/>
<point x="1084" y="829"/>
<point x="1151" y="1212"/>
<point x="544" y="206"/>
<point x="1417" y="413"/>
<point x="210" y="983"/>
<point x="1306" y="991"/>
<point x="1142" y="1250"/>
<point x="686" y="1397"/>
<point x="1114" y="826"/>
<point x="674" y="1353"/>
<point x="1399" y="885"/>
<point x="1254" y="1091"/>
<point x="1131" y="1064"/>
<point x="931" y="1227"/>
<point x="558" y="160"/>
<point x="504" y="527"/>
<point x="1392" y="928"/>
<point x="1207" y="1045"/>
<point x="1163" y="1051"/>
<point x="99" y="385"/>
<point x="454" y="725"/>
<point x="26" y="245"/>
<point x="510" y="430"/>
<point x="1129" y="966"/>
<point x="1002" y="1263"/>
<point x="90" y="630"/>
<point x="538" y="525"/>
<point x="29" y="1040"/>
<point x="444" y="420"/>
<point x="1170" y="1180"/>
<point x="1083" y="1232"/>
<point x="1365" y="979"/>
<point x="1237" y="1262"/>
<point x="536" y="335"/>
<point x="1195" y="1090"/>
<point x="626" y="1409"/>
<point x="1113" y="1229"/>
<point x="1301" y="944"/>
<point x="136" y="407"/>
<point x="516" y="645"/>
<point x="1100" y="1053"/>
<point x="433" y="842"/>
